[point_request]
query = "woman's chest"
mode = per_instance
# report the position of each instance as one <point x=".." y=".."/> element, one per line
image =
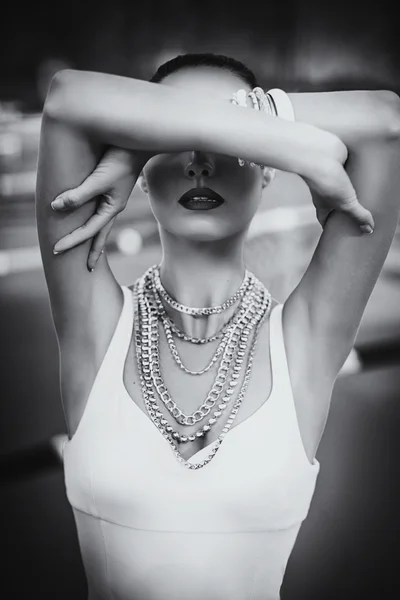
<point x="205" y="399"/>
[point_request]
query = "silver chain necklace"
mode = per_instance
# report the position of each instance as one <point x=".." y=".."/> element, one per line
<point x="238" y="315"/>
<point x="195" y="312"/>
<point x="218" y="335"/>
<point x="146" y="315"/>
<point x="236" y="339"/>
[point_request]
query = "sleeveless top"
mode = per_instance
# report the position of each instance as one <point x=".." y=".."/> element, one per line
<point x="151" y="529"/>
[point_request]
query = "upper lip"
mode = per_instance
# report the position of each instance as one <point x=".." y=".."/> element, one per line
<point x="201" y="192"/>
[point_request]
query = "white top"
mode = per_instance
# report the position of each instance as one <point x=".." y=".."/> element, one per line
<point x="151" y="529"/>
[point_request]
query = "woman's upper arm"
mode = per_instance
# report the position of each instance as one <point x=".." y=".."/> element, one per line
<point x="66" y="158"/>
<point x="327" y="305"/>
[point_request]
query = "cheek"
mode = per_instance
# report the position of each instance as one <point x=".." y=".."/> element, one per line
<point x="162" y="189"/>
<point x="246" y="185"/>
<point x="250" y="181"/>
<point x="160" y="178"/>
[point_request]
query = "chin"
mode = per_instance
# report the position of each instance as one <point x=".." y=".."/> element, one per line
<point x="201" y="228"/>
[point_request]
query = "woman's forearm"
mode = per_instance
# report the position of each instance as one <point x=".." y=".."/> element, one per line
<point x="139" y="115"/>
<point x="368" y="122"/>
<point x="354" y="116"/>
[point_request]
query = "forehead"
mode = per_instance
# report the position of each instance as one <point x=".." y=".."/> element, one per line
<point x="210" y="81"/>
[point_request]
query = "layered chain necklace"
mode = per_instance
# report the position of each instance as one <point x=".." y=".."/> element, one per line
<point x="254" y="305"/>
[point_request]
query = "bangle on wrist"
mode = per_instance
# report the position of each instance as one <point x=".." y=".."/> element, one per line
<point x="283" y="104"/>
<point x="275" y="102"/>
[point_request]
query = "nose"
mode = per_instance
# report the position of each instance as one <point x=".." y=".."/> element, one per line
<point x="199" y="165"/>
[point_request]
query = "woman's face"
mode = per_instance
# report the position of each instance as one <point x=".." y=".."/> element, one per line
<point x="167" y="177"/>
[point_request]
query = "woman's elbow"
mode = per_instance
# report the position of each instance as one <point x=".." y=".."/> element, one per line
<point x="54" y="107"/>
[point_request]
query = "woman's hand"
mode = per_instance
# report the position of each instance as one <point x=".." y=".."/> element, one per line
<point x="323" y="170"/>
<point x="112" y="180"/>
<point x="331" y="189"/>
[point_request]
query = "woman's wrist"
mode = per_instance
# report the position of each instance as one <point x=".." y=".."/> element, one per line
<point x="325" y="149"/>
<point x="138" y="115"/>
<point x="283" y="105"/>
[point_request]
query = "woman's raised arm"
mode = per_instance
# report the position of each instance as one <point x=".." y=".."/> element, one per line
<point x="139" y="115"/>
<point x="327" y="306"/>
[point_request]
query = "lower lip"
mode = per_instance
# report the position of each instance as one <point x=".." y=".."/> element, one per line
<point x="199" y="204"/>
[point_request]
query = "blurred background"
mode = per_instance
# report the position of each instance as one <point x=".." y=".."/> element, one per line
<point x="348" y="546"/>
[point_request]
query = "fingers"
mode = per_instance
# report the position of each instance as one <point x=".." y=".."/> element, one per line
<point x="98" y="245"/>
<point x="334" y="185"/>
<point x="350" y="204"/>
<point x="361" y="215"/>
<point x="71" y="199"/>
<point x="115" y="165"/>
<point x="88" y="230"/>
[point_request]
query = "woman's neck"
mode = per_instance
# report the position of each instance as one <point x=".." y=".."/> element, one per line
<point x="200" y="274"/>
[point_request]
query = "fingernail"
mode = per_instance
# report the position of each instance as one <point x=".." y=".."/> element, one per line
<point x="91" y="269"/>
<point x="56" y="204"/>
<point x="366" y="228"/>
<point x="56" y="251"/>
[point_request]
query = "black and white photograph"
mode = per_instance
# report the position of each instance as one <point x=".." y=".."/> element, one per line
<point x="200" y="301"/>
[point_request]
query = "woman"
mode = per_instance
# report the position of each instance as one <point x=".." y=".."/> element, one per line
<point x="208" y="506"/>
